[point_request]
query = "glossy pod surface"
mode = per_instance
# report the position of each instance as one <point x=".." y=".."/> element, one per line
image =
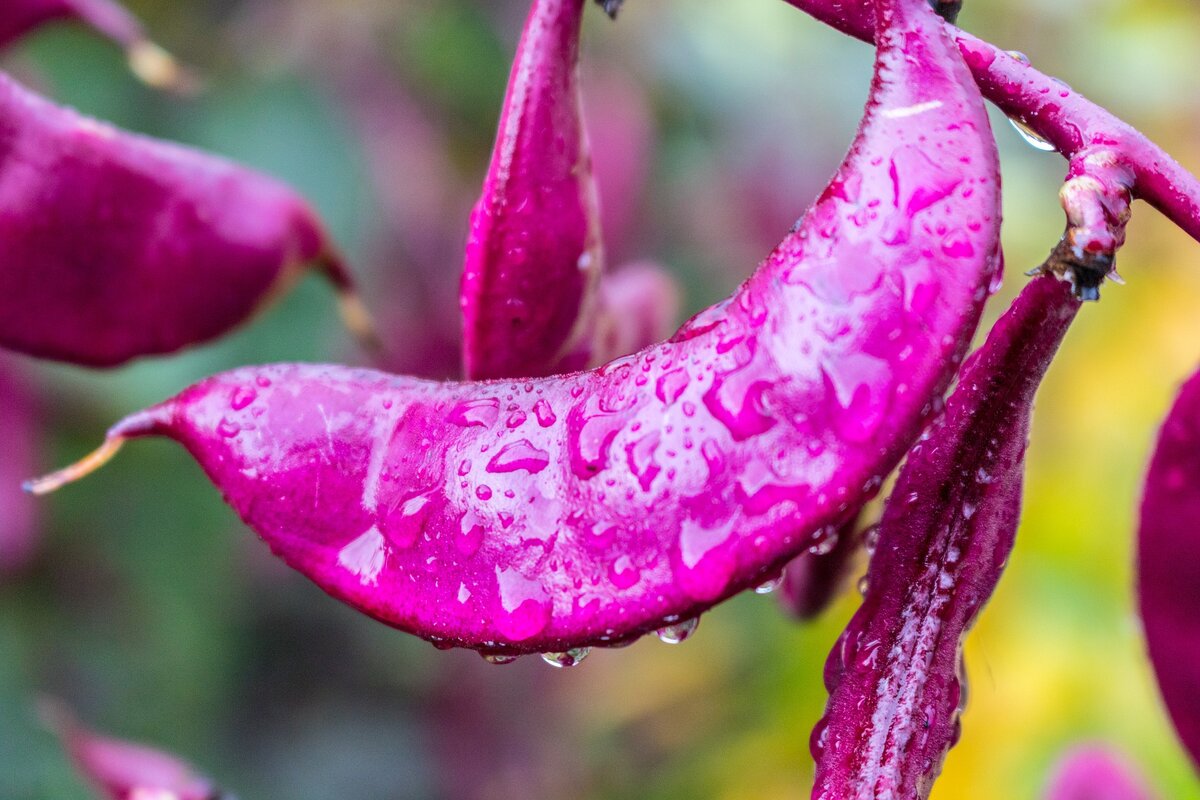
<point x="542" y="515"/>
<point x="534" y="255"/>
<point x="1168" y="565"/>
<point x="117" y="246"/>
<point x="895" y="676"/>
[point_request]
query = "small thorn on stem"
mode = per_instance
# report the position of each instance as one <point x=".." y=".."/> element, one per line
<point x="80" y="469"/>
<point x="611" y="7"/>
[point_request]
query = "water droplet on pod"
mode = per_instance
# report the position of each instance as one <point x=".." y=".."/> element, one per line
<point x="569" y="658"/>
<point x="679" y="632"/>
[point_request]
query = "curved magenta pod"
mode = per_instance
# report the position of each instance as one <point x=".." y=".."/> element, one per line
<point x="535" y="233"/>
<point x="121" y="770"/>
<point x="117" y="246"/>
<point x="18" y="431"/>
<point x="895" y="676"/>
<point x="1093" y="772"/>
<point x="1168" y="565"/>
<point x="109" y="19"/>
<point x="544" y="515"/>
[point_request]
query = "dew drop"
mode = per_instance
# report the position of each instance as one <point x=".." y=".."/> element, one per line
<point x="476" y="413"/>
<point x="228" y="429"/>
<point x="864" y="585"/>
<point x="679" y="632"/>
<point x="243" y="397"/>
<point x="519" y="455"/>
<point x="498" y="659"/>
<point x="767" y="587"/>
<point x="544" y="413"/>
<point x="1031" y="138"/>
<point x="569" y="658"/>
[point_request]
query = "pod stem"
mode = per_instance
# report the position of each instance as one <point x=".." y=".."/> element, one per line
<point x="80" y="469"/>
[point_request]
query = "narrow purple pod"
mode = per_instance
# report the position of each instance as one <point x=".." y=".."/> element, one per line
<point x="121" y="770"/>
<point x="1093" y="772"/>
<point x="894" y="677"/>
<point x="534" y="254"/>
<point x="549" y="514"/>
<point x="1168" y="565"/>
<point x="109" y="19"/>
<point x="116" y="245"/>
<point x="18" y="433"/>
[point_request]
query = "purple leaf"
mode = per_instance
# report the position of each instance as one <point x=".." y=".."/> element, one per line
<point x="1095" y="773"/>
<point x="534" y="254"/>
<point x="1168" y="567"/>
<point x="551" y="514"/>
<point x="119" y="246"/>
<point x="947" y="531"/>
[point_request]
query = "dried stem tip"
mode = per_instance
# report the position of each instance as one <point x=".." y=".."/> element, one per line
<point x="80" y="469"/>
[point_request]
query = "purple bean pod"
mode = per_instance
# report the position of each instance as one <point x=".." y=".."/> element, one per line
<point x="121" y="770"/>
<point x="1168" y="565"/>
<point x="118" y="246"/>
<point x="1093" y="772"/>
<point x="534" y="255"/>
<point x="545" y="515"/>
<point x="895" y="674"/>
<point x="19" y="434"/>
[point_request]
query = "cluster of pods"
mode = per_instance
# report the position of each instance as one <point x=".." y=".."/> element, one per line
<point x="594" y="480"/>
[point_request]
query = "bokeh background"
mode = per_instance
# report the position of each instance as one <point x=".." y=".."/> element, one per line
<point x="150" y="609"/>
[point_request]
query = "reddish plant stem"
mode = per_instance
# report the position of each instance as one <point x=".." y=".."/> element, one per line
<point x="1061" y="116"/>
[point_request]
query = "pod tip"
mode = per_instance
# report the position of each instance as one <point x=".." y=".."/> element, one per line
<point x="155" y="67"/>
<point x="358" y="319"/>
<point x="80" y="469"/>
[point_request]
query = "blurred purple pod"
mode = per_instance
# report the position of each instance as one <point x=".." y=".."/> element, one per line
<point x="621" y="131"/>
<point x="813" y="581"/>
<point x="1168" y="564"/>
<point x="108" y="18"/>
<point x="121" y="770"/>
<point x="18" y="432"/>
<point x="640" y="305"/>
<point x="118" y="246"/>
<point x="895" y="675"/>
<point x="1094" y="772"/>
<point x="535" y="233"/>
<point x="546" y="515"/>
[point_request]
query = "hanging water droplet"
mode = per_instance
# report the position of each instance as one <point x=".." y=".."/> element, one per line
<point x="1031" y="138"/>
<point x="498" y="658"/>
<point x="569" y="658"/>
<point x="679" y="632"/>
<point x="769" y="586"/>
<point x="864" y="585"/>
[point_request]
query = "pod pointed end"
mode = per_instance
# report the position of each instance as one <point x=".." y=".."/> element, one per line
<point x="80" y="469"/>
<point x="611" y="7"/>
<point x="155" y="67"/>
<point x="358" y="319"/>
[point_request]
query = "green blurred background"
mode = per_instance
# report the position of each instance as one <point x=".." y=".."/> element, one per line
<point x="160" y="618"/>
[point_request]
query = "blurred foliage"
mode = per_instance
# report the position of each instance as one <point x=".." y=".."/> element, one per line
<point x="160" y="618"/>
